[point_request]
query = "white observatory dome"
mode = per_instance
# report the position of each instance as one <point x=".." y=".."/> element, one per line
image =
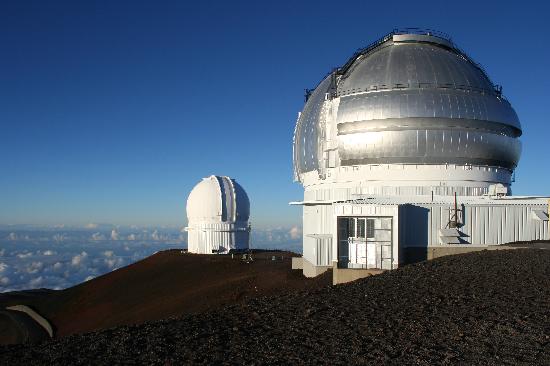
<point x="218" y="210"/>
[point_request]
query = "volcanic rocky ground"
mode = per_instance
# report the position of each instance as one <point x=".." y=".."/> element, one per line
<point x="490" y="307"/>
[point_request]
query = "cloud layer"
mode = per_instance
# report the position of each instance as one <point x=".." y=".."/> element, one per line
<point x="56" y="265"/>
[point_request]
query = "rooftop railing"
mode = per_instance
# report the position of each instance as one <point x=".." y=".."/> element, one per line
<point x="410" y="30"/>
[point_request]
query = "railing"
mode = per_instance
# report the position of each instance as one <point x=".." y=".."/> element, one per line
<point x="363" y="51"/>
<point x="408" y="86"/>
<point x="422" y="31"/>
<point x="497" y="89"/>
<point x="445" y="36"/>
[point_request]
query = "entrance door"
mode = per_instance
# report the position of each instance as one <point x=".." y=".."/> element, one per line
<point x="357" y="242"/>
<point x="346" y="228"/>
<point x="364" y="243"/>
<point x="352" y="242"/>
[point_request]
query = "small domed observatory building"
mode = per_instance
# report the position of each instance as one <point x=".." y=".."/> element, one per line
<point x="218" y="212"/>
<point x="408" y="152"/>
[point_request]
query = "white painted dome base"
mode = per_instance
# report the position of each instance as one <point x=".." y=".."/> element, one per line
<point x="218" y="238"/>
<point x="403" y="180"/>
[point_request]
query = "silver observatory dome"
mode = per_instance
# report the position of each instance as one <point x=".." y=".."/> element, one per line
<point x="411" y="98"/>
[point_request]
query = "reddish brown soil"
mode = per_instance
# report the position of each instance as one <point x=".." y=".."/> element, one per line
<point x="481" y="308"/>
<point x="164" y="285"/>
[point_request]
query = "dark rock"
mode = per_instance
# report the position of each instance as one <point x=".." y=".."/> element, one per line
<point x="489" y="308"/>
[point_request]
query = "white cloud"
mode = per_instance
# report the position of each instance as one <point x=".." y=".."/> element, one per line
<point x="155" y="235"/>
<point x="59" y="238"/>
<point x="79" y="258"/>
<point x="295" y="232"/>
<point x="91" y="226"/>
<point x="3" y="267"/>
<point x="12" y="236"/>
<point x="4" y="281"/>
<point x="113" y="263"/>
<point x="114" y="235"/>
<point x="132" y="237"/>
<point x="57" y="266"/>
<point x="35" y="282"/>
<point x="110" y="262"/>
<point x="108" y="253"/>
<point x="24" y="255"/>
<point x="89" y="278"/>
<point x="98" y="236"/>
<point x="34" y="267"/>
<point x="49" y="252"/>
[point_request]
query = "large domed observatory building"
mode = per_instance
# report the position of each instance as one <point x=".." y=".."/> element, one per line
<point x="407" y="152"/>
<point x="218" y="213"/>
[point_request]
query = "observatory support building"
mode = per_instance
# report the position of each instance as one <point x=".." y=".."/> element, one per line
<point x="218" y="210"/>
<point x="408" y="152"/>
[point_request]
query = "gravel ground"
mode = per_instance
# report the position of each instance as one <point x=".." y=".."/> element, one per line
<point x="484" y="308"/>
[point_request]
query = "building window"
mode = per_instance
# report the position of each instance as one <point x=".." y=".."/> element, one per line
<point x="370" y="228"/>
<point x="351" y="227"/>
<point x="361" y="228"/>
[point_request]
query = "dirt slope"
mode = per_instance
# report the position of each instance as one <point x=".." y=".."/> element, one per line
<point x="166" y="284"/>
<point x="488" y="308"/>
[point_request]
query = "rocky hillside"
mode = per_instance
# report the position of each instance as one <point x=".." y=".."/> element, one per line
<point x="490" y="307"/>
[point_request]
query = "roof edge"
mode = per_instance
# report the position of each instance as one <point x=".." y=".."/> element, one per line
<point x="398" y="38"/>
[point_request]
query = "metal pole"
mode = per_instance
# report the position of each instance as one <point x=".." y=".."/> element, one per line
<point x="456" y="213"/>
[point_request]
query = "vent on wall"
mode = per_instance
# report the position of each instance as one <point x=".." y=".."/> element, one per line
<point x="540" y="215"/>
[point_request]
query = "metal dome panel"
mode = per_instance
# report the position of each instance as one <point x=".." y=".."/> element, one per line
<point x="307" y="136"/>
<point x="428" y="103"/>
<point x="410" y="91"/>
<point x="413" y="64"/>
<point x="429" y="147"/>
<point x="218" y="199"/>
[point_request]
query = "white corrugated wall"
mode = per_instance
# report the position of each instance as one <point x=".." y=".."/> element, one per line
<point x="488" y="224"/>
<point x="204" y="238"/>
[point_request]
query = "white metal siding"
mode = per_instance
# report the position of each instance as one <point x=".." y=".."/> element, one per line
<point x="483" y="224"/>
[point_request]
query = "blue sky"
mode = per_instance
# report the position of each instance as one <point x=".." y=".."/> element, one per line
<point x="111" y="111"/>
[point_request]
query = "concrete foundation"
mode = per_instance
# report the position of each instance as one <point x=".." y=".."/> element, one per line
<point x="310" y="270"/>
<point x="417" y="254"/>
<point x="413" y="255"/>
<point x="343" y="275"/>
<point x="297" y="263"/>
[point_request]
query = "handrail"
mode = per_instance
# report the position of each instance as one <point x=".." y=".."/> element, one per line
<point x="414" y="86"/>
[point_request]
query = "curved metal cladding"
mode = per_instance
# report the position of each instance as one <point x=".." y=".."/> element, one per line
<point x="307" y="134"/>
<point x="416" y="100"/>
<point x="242" y="211"/>
<point x="218" y="199"/>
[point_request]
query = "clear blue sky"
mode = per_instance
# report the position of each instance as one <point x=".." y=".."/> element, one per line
<point x="111" y="111"/>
